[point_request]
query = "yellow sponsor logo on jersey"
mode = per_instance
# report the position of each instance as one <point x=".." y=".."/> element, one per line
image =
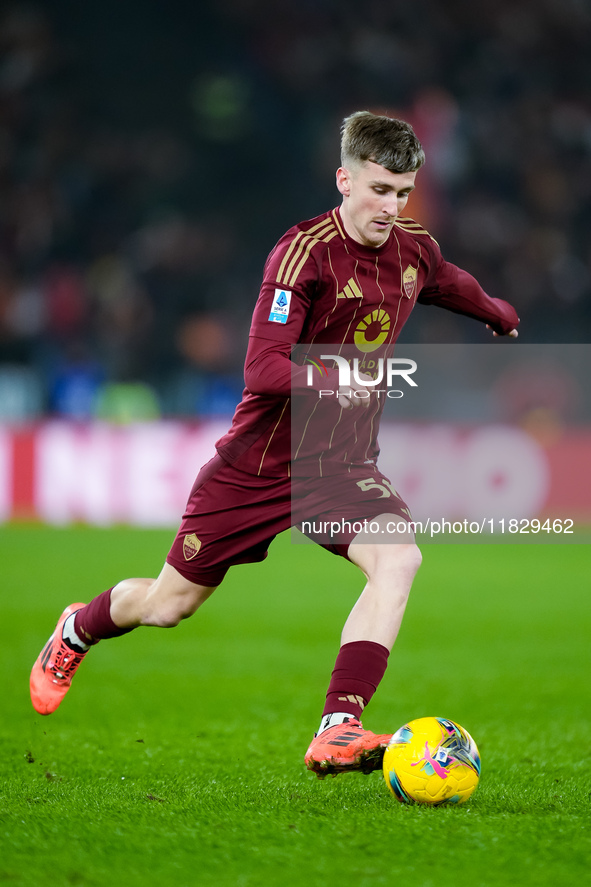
<point x="372" y="331"/>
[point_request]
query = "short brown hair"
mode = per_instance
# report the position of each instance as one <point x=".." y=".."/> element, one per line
<point x="385" y="140"/>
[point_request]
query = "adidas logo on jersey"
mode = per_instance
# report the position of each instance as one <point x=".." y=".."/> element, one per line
<point x="351" y="290"/>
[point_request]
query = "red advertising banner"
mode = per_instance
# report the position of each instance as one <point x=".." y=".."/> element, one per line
<point x="101" y="474"/>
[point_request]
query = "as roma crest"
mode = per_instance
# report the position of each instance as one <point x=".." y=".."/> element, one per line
<point x="409" y="281"/>
<point x="191" y="546"/>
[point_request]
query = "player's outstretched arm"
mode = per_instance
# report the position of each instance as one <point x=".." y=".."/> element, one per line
<point x="458" y="291"/>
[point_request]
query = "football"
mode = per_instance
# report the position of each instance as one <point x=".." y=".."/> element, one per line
<point x="432" y="761"/>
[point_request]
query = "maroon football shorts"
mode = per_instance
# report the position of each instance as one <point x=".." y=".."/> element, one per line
<point x="232" y="517"/>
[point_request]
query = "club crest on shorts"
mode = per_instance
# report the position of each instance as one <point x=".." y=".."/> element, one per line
<point x="191" y="546"/>
<point x="409" y="279"/>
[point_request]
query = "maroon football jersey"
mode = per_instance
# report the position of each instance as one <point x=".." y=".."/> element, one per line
<point x="322" y="287"/>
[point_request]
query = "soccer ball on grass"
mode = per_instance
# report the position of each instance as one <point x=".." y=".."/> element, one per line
<point x="431" y="761"/>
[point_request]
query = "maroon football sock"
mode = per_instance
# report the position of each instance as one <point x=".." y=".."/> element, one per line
<point x="94" y="620"/>
<point x="359" y="668"/>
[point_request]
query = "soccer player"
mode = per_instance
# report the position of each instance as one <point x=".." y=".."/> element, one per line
<point x="346" y="279"/>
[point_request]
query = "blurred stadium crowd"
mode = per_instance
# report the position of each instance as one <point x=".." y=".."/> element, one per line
<point x="152" y="153"/>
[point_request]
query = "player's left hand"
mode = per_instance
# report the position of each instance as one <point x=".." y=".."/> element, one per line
<point x="512" y="334"/>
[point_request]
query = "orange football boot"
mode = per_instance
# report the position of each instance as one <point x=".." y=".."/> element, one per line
<point x="345" y="748"/>
<point x="54" y="669"/>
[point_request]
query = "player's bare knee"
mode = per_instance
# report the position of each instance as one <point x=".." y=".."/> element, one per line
<point x="165" y="607"/>
<point x="166" y="620"/>
<point x="165" y="617"/>
<point x="390" y="561"/>
<point x="167" y="614"/>
<point x="400" y="561"/>
<point x="412" y="557"/>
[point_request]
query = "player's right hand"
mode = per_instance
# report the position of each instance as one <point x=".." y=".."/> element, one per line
<point x="512" y="333"/>
<point x="356" y="394"/>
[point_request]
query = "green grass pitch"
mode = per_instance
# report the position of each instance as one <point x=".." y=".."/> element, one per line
<point x="176" y="759"/>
